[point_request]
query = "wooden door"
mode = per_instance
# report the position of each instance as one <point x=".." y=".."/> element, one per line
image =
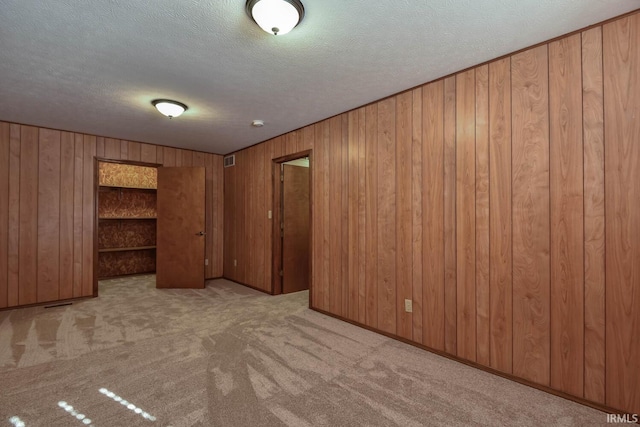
<point x="295" y="240"/>
<point x="181" y="223"/>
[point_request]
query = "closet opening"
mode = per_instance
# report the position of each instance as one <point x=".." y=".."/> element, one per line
<point x="292" y="223"/>
<point x="126" y="214"/>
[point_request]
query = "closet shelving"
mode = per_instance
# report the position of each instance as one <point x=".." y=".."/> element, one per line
<point x="126" y="228"/>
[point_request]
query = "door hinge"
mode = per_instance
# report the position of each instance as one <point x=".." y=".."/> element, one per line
<point x="281" y="177"/>
<point x="281" y="273"/>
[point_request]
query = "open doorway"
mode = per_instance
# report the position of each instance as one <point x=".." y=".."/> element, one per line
<point x="126" y="213"/>
<point x="292" y="223"/>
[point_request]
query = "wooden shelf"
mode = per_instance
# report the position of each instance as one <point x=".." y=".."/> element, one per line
<point x="137" y="248"/>
<point x="106" y="218"/>
<point x="117" y="187"/>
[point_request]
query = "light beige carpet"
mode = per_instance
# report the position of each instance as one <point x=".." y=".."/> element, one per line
<point x="231" y="356"/>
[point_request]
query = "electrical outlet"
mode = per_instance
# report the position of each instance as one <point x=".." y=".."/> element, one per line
<point x="408" y="306"/>
<point x="235" y="262"/>
<point x="206" y="261"/>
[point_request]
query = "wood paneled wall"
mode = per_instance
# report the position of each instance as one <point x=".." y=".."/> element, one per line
<point x="47" y="208"/>
<point x="487" y="199"/>
<point x="621" y="52"/>
<point x="248" y="196"/>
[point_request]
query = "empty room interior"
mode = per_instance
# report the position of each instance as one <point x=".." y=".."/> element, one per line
<point x="319" y="213"/>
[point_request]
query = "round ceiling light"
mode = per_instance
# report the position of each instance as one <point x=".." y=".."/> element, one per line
<point x="169" y="108"/>
<point x="276" y="17"/>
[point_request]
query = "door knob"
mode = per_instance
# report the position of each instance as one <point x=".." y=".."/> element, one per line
<point x="202" y="233"/>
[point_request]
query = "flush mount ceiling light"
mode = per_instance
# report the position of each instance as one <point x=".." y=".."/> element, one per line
<point x="276" y="17"/>
<point x="169" y="108"/>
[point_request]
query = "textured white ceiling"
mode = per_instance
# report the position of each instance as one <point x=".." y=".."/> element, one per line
<point x="95" y="65"/>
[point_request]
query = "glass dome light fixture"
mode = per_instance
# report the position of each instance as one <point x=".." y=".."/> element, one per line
<point x="276" y="17"/>
<point x="169" y="108"/>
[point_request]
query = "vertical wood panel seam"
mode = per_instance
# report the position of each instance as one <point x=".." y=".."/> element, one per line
<point x="362" y="213"/>
<point x="8" y="187"/>
<point x="17" y="250"/>
<point x="330" y="167"/>
<point x="550" y="304"/>
<point x="395" y="196"/>
<point x="604" y="201"/>
<point x="36" y="209"/>
<point x="551" y="209"/>
<point x="37" y="191"/>
<point x="82" y="203"/>
<point x="444" y="211"/>
<point x="455" y="202"/>
<point x="511" y="196"/>
<point x="365" y="256"/>
<point x="584" y="224"/>
<point x="60" y="217"/>
<point x="17" y="224"/>
<point x="489" y="198"/>
<point x="475" y="206"/>
<point x="475" y="203"/>
<point x="6" y="278"/>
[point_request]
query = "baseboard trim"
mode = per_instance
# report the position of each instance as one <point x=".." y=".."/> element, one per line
<point x="50" y="303"/>
<point x="580" y="400"/>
